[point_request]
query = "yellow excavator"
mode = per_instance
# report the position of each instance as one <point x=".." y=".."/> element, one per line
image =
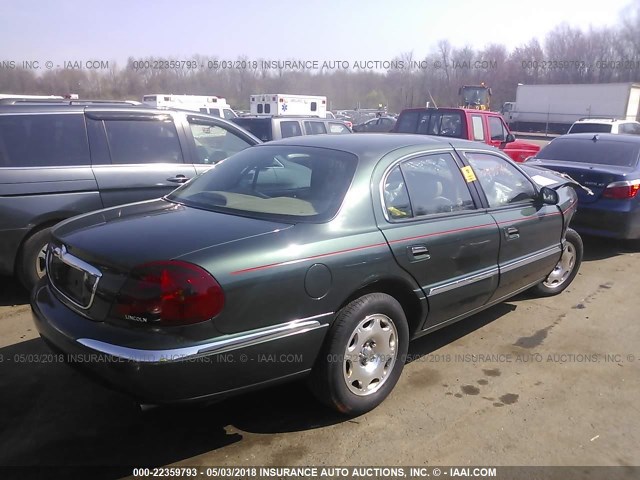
<point x="477" y="97"/>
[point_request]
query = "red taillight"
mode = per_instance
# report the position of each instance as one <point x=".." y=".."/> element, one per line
<point x="622" y="190"/>
<point x="169" y="293"/>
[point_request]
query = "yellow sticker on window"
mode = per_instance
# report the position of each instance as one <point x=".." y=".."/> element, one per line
<point x="468" y="173"/>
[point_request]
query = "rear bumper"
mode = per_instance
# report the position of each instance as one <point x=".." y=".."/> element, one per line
<point x="219" y="367"/>
<point x="591" y="220"/>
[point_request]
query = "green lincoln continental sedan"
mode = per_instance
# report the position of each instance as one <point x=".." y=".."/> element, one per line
<point x="318" y="256"/>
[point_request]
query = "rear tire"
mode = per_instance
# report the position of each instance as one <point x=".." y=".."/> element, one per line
<point x="31" y="262"/>
<point x="363" y="355"/>
<point x="566" y="269"/>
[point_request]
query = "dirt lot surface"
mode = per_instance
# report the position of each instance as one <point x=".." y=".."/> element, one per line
<point x="531" y="381"/>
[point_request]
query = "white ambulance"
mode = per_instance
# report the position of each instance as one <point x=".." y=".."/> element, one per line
<point x="210" y="104"/>
<point x="284" y="104"/>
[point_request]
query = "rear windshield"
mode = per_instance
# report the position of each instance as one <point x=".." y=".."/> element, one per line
<point x="290" y="184"/>
<point x="602" y="152"/>
<point x="260" y="127"/>
<point x="590" y="128"/>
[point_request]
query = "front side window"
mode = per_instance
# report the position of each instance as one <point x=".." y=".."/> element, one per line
<point x="143" y="141"/>
<point x="275" y="182"/>
<point x="427" y="185"/>
<point x="503" y="184"/>
<point x="338" y="128"/>
<point x="496" y="129"/>
<point x="214" y="143"/>
<point x="43" y="140"/>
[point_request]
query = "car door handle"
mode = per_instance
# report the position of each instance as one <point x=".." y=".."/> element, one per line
<point x="178" y="179"/>
<point x="511" y="233"/>
<point x="418" y="252"/>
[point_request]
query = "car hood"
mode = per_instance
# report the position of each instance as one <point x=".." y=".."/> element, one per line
<point x="130" y="235"/>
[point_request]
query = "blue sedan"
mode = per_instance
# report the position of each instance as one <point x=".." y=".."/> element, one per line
<point x="607" y="165"/>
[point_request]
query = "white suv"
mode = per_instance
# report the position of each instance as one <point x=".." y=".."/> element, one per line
<point x="605" y="125"/>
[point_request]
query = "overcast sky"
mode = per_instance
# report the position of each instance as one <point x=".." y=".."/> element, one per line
<point x="323" y="30"/>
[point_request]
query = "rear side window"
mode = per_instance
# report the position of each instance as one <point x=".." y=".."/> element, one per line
<point x="603" y="152"/>
<point x="315" y="128"/>
<point x="478" y="129"/>
<point x="43" y="140"/>
<point x="260" y="127"/>
<point x="214" y="111"/>
<point x="426" y="185"/>
<point x="436" y="185"/>
<point x="143" y="141"/>
<point x="290" y="129"/>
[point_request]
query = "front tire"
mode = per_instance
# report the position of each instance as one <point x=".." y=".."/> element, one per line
<point x="363" y="355"/>
<point x="566" y="269"/>
<point x="31" y="262"/>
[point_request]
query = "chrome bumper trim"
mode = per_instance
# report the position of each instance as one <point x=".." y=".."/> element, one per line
<point x="74" y="262"/>
<point x="222" y="344"/>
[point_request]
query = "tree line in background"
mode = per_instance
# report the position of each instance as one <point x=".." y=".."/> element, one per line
<point x="567" y="55"/>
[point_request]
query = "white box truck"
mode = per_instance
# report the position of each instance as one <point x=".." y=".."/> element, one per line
<point x="554" y="108"/>
<point x="210" y="104"/>
<point x="285" y="104"/>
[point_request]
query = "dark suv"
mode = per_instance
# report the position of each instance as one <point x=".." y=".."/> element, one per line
<point x="277" y="127"/>
<point x="57" y="161"/>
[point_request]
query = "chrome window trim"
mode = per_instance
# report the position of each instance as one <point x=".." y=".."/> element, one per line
<point x="222" y="344"/>
<point x="74" y="262"/>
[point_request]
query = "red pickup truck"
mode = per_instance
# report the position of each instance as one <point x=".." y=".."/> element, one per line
<point x="479" y="125"/>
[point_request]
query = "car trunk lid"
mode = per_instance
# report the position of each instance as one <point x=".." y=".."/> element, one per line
<point x="594" y="177"/>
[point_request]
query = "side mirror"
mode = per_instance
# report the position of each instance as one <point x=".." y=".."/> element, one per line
<point x="510" y="138"/>
<point x="548" y="196"/>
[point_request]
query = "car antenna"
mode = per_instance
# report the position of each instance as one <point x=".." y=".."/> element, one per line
<point x="595" y="138"/>
<point x="431" y="97"/>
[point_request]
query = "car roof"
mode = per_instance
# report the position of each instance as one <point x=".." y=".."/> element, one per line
<point x="56" y="108"/>
<point x="449" y="109"/>
<point x="604" y="120"/>
<point x="377" y="144"/>
<point x="610" y="137"/>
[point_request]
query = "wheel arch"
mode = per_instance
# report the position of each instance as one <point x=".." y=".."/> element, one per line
<point x="414" y="307"/>
<point x="45" y="223"/>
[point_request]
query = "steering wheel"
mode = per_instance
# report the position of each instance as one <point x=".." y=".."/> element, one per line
<point x="444" y="204"/>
